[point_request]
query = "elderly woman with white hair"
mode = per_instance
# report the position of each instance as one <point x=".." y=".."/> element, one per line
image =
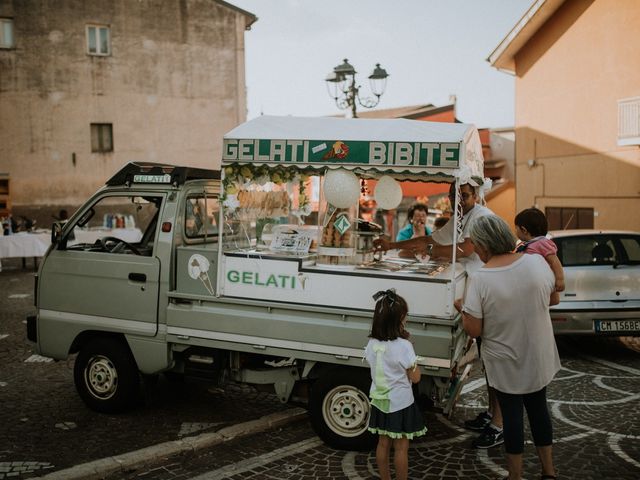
<point x="507" y="304"/>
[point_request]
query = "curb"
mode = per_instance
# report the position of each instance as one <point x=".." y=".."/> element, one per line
<point x="126" y="462"/>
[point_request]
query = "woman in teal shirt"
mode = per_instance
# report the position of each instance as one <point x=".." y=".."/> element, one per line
<point x="417" y="226"/>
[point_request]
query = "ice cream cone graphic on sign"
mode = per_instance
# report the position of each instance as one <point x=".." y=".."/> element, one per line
<point x="199" y="269"/>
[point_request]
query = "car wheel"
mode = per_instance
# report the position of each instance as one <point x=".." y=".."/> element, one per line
<point x="339" y="409"/>
<point x="106" y="376"/>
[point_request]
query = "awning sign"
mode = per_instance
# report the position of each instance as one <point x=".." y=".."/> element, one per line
<point x="402" y="154"/>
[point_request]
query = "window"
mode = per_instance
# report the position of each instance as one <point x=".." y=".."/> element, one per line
<point x="98" y="40"/>
<point x="631" y="246"/>
<point x="629" y="121"/>
<point x="586" y="250"/>
<point x="101" y="137"/>
<point x="6" y="33"/>
<point x="201" y="217"/>
<point x="562" y="218"/>
<point x="117" y="224"/>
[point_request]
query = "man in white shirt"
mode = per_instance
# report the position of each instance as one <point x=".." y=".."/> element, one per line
<point x="438" y="245"/>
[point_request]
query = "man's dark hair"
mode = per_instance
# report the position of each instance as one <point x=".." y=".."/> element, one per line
<point x="417" y="206"/>
<point x="390" y="310"/>
<point x="533" y="220"/>
<point x="452" y="187"/>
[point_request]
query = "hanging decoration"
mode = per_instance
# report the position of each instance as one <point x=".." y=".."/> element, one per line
<point x="241" y="179"/>
<point x="388" y="193"/>
<point x="485" y="188"/>
<point x="341" y="188"/>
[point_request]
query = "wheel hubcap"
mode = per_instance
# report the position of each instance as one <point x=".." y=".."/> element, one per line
<point x="101" y="377"/>
<point x="346" y="411"/>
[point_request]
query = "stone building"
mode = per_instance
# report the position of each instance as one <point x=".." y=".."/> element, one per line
<point x="577" y="111"/>
<point x="88" y="85"/>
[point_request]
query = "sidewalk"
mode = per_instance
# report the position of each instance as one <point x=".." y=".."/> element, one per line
<point x="133" y="460"/>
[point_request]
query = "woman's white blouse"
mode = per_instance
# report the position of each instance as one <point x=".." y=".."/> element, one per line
<point x="518" y="347"/>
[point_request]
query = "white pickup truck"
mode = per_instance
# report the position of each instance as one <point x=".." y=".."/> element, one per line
<point x="260" y="273"/>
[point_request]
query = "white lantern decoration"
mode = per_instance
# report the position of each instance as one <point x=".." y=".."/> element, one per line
<point x="341" y="188"/>
<point x="388" y="193"/>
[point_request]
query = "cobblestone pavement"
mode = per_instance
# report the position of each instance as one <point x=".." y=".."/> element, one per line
<point x="595" y="404"/>
<point x="45" y="427"/>
<point x="595" y="409"/>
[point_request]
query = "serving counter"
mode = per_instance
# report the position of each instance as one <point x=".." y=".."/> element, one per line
<point x="265" y="275"/>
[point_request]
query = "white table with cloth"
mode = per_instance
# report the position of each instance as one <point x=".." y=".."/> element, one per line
<point x="24" y="244"/>
<point x="35" y="244"/>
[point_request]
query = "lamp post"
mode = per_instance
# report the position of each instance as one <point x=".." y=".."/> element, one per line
<point x="341" y="85"/>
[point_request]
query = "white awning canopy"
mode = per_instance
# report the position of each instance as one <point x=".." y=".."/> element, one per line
<point x="403" y="148"/>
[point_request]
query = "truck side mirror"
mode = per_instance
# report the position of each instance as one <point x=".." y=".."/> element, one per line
<point x="56" y="232"/>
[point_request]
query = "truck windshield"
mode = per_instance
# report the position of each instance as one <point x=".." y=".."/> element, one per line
<point x="129" y="218"/>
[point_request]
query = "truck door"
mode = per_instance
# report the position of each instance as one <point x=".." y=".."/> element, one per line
<point x="104" y="272"/>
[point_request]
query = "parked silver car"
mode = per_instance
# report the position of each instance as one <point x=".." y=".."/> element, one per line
<point x="602" y="278"/>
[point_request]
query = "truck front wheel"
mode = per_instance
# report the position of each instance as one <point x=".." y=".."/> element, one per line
<point x="106" y="376"/>
<point x="339" y="408"/>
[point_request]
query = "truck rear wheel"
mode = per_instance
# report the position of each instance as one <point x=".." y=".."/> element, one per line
<point x="106" y="376"/>
<point x="339" y="408"/>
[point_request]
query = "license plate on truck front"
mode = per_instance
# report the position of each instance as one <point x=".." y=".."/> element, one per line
<point x="617" y="326"/>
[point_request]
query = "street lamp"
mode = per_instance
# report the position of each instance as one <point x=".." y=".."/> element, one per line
<point x="341" y="85"/>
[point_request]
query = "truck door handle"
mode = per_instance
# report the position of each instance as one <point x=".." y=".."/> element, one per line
<point x="138" y="277"/>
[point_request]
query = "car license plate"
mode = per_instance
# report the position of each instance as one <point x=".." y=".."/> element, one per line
<point x="617" y="326"/>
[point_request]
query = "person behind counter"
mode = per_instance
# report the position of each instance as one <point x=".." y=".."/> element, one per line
<point x="395" y="416"/>
<point x="417" y="226"/>
<point x="507" y="302"/>
<point x="438" y="244"/>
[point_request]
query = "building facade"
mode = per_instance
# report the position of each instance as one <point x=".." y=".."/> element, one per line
<point x="498" y="152"/>
<point x="87" y="86"/>
<point x="577" y="77"/>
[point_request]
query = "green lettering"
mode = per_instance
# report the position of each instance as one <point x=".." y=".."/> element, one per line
<point x="257" y="280"/>
<point x="247" y="277"/>
<point x="233" y="276"/>
<point x="272" y="281"/>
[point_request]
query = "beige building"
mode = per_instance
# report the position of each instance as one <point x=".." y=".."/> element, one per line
<point x="87" y="86"/>
<point x="577" y="114"/>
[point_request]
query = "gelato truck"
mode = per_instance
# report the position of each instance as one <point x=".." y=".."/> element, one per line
<point x="261" y="272"/>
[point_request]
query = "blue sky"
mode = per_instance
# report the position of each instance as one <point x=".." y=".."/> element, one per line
<point x="431" y="49"/>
